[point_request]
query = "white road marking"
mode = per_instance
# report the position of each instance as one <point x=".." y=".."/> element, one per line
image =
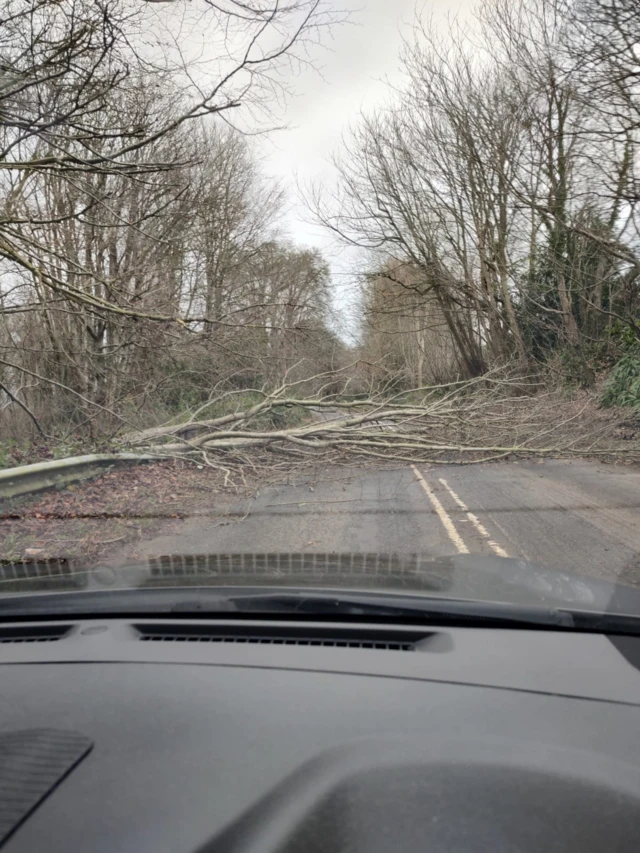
<point x="479" y="526"/>
<point x="442" y="515"/>
<point x="519" y="550"/>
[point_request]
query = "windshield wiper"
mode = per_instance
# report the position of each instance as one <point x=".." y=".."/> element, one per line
<point x="302" y="604"/>
<point x="437" y="610"/>
<point x="402" y="607"/>
<point x="309" y="604"/>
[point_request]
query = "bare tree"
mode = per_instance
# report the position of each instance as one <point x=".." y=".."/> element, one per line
<point x="82" y="91"/>
<point x="115" y="132"/>
<point x="406" y="342"/>
<point x="503" y="177"/>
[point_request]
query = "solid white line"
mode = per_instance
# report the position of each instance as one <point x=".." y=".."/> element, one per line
<point x="479" y="526"/>
<point x="442" y="515"/>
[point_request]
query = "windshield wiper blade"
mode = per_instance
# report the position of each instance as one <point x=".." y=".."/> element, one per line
<point x="306" y="603"/>
<point x="300" y="603"/>
<point x="606" y="622"/>
<point x="405" y="607"/>
<point x="116" y="602"/>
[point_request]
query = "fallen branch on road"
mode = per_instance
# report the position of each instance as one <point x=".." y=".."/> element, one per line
<point x="465" y="422"/>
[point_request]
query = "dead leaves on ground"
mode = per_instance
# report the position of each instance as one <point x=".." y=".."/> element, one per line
<point x="86" y="520"/>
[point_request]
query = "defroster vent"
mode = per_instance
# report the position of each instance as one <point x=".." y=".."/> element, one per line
<point x="204" y="634"/>
<point x="33" y="633"/>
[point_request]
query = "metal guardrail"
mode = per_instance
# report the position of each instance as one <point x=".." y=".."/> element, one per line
<point x="61" y="472"/>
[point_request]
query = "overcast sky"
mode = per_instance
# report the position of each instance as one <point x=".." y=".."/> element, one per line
<point x="359" y="57"/>
<point x="354" y="65"/>
<point x="352" y="68"/>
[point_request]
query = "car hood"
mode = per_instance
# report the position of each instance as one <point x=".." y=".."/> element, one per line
<point x="463" y="576"/>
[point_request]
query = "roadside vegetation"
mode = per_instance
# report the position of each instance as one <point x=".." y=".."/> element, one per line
<point x="150" y="299"/>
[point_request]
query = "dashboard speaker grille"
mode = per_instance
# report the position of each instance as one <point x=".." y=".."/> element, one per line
<point x="32" y="763"/>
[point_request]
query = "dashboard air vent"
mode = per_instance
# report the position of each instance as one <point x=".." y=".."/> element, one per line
<point x="204" y="634"/>
<point x="33" y="633"/>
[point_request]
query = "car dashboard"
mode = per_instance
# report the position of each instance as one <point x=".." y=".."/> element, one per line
<point x="179" y="735"/>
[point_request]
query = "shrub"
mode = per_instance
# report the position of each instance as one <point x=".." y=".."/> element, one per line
<point x="622" y="388"/>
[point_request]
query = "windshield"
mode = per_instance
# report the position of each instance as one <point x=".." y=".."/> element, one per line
<point x="333" y="296"/>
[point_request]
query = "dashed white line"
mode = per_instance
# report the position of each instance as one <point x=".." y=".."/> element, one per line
<point x="441" y="512"/>
<point x="479" y="526"/>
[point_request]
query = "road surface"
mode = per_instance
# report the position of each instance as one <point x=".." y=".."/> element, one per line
<point x="568" y="515"/>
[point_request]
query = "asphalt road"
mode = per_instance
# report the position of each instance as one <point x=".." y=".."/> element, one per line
<point x="567" y="515"/>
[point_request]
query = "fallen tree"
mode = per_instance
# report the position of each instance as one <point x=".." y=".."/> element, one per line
<point x="484" y="419"/>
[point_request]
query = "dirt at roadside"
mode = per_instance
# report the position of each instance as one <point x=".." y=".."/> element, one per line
<point x="88" y="521"/>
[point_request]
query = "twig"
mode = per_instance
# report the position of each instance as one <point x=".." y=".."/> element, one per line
<point x="24" y="407"/>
